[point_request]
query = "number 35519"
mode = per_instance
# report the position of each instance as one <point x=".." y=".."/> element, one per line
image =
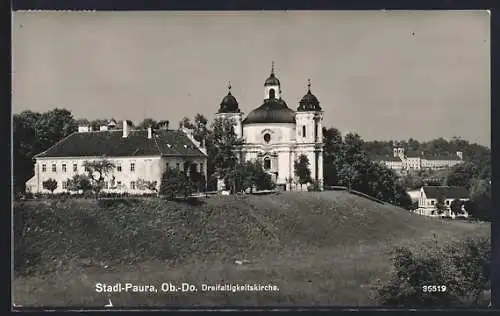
<point x="434" y="288"/>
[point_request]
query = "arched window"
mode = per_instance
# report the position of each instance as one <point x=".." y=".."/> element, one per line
<point x="272" y="94"/>
<point x="303" y="131"/>
<point x="267" y="163"/>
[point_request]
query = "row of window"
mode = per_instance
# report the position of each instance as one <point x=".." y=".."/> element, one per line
<point x="119" y="184"/>
<point x="178" y="166"/>
<point x="118" y="167"/>
<point x="75" y="167"/>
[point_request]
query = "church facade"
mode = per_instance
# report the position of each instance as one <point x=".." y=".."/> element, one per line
<point x="277" y="135"/>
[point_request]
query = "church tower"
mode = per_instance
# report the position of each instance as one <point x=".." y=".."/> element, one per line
<point x="229" y="108"/>
<point x="309" y="133"/>
<point x="272" y="87"/>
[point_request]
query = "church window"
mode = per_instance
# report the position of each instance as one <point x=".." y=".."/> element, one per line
<point x="267" y="137"/>
<point x="54" y="169"/>
<point x="75" y="167"/>
<point x="303" y="131"/>
<point x="316" y="131"/>
<point x="63" y="167"/>
<point x="272" y="94"/>
<point x="44" y="168"/>
<point x="119" y="168"/>
<point x="132" y="166"/>
<point x="267" y="163"/>
<point x="132" y="185"/>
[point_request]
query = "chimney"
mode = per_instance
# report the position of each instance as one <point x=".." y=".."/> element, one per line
<point x="150" y="132"/>
<point x="125" y="129"/>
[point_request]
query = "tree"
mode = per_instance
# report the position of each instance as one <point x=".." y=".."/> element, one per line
<point x="302" y="171"/>
<point x="440" y="206"/>
<point x="456" y="206"/>
<point x="96" y="171"/>
<point x="170" y="182"/>
<point x="79" y="182"/>
<point x="175" y="182"/>
<point x="33" y="133"/>
<point x="222" y="148"/>
<point x="50" y="184"/>
<point x="332" y="140"/>
<point x="148" y="122"/>
<point x="461" y="175"/>
<point x="142" y="184"/>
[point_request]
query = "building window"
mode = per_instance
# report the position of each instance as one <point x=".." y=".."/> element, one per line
<point x="432" y="202"/>
<point x="65" y="185"/>
<point x="168" y="166"/>
<point x="54" y="169"/>
<point x="106" y="185"/>
<point x="85" y="168"/>
<point x="272" y="94"/>
<point x="119" y="168"/>
<point x="132" y="185"/>
<point x="75" y="167"/>
<point x="267" y="163"/>
<point x="132" y="166"/>
<point x="267" y="137"/>
<point x="316" y="132"/>
<point x="447" y="202"/>
<point x="201" y="168"/>
<point x="118" y="184"/>
<point x="303" y="131"/>
<point x="63" y="167"/>
<point x="44" y="168"/>
<point x="178" y="166"/>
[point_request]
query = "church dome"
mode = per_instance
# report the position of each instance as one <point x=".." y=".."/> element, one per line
<point x="229" y="103"/>
<point x="272" y="80"/>
<point x="309" y="102"/>
<point x="272" y="111"/>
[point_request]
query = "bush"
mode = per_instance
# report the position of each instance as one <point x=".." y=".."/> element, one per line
<point x="463" y="268"/>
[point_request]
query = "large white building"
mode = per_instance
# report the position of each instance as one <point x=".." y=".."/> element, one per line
<point x="277" y="135"/>
<point x="402" y="161"/>
<point x="139" y="156"/>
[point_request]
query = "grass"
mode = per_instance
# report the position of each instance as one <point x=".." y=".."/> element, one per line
<point x="321" y="248"/>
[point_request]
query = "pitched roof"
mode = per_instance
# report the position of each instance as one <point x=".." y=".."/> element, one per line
<point x="112" y="144"/>
<point x="441" y="157"/>
<point x="448" y="192"/>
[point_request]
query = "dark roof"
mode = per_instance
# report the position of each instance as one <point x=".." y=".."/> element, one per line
<point x="448" y="192"/>
<point x="272" y="80"/>
<point x="272" y="111"/>
<point x="441" y="157"/>
<point x="309" y="102"/>
<point x="112" y="144"/>
<point x="229" y="104"/>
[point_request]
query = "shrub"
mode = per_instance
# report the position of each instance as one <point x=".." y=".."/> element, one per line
<point x="463" y="268"/>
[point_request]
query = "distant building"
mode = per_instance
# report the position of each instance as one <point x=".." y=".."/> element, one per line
<point x="138" y="156"/>
<point x="409" y="161"/>
<point x="429" y="196"/>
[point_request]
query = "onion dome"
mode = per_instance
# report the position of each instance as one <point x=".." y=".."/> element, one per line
<point x="309" y="102"/>
<point x="272" y="80"/>
<point x="229" y="103"/>
<point x="272" y="111"/>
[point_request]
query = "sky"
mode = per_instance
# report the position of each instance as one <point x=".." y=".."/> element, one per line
<point x="382" y="74"/>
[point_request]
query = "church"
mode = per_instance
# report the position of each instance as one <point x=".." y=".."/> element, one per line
<point x="277" y="135"/>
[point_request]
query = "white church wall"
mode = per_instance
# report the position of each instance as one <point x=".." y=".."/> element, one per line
<point x="280" y="133"/>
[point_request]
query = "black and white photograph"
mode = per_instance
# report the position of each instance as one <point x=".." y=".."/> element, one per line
<point x="251" y="159"/>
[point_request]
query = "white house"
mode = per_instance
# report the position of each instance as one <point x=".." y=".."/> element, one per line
<point x="138" y="156"/>
<point x="429" y="196"/>
<point x="277" y="135"/>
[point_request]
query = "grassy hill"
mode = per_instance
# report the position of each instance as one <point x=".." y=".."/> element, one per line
<point x="317" y="247"/>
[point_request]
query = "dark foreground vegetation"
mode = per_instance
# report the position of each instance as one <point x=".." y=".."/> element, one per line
<point x="319" y="248"/>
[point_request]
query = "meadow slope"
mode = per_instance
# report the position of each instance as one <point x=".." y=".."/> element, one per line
<point x="322" y="248"/>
